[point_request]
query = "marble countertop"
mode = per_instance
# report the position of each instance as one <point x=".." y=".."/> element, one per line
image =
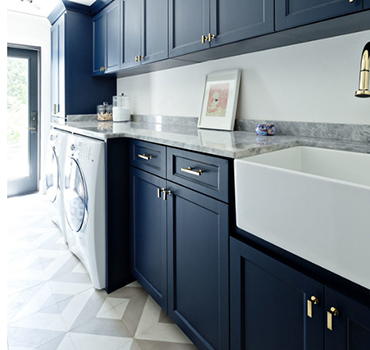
<point x="229" y="144"/>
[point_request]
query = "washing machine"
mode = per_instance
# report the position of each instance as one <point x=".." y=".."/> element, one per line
<point x="84" y="204"/>
<point x="55" y="177"/>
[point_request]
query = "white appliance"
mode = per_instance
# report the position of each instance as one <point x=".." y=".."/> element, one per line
<point x="84" y="204"/>
<point x="55" y="177"/>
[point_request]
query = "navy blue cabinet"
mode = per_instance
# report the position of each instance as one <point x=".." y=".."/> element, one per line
<point x="179" y="238"/>
<point x="198" y="25"/>
<point x="145" y="32"/>
<point x="269" y="304"/>
<point x="148" y="234"/>
<point x="198" y="266"/>
<point x="294" y="13"/>
<point x="273" y="306"/>
<point x="73" y="89"/>
<point x="350" y="327"/>
<point x="106" y="39"/>
<point x="367" y="4"/>
<point x="234" y="20"/>
<point x="189" y="22"/>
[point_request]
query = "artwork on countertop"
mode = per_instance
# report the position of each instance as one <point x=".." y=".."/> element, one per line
<point x="220" y="99"/>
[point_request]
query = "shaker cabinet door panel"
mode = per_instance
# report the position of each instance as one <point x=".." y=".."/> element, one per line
<point x="155" y="35"/>
<point x="234" y="20"/>
<point x="198" y="266"/>
<point x="351" y="327"/>
<point x="148" y="235"/>
<point x="268" y="307"/>
<point x="99" y="43"/>
<point x="367" y="4"/>
<point x="294" y="13"/>
<point x="113" y="14"/>
<point x="132" y="29"/>
<point x="189" y="20"/>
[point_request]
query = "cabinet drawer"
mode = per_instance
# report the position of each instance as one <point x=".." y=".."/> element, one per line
<point x="202" y="173"/>
<point x="148" y="156"/>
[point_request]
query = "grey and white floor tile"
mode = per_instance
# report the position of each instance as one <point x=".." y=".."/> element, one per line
<point x="52" y="304"/>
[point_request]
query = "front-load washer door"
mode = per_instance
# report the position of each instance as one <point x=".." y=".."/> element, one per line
<point x="52" y="175"/>
<point x="75" y="196"/>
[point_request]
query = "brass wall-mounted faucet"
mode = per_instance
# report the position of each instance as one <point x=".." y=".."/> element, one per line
<point x="363" y="88"/>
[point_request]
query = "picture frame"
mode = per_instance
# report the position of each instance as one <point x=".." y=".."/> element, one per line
<point x="220" y="100"/>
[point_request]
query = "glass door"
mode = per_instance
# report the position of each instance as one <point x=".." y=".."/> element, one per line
<point x="22" y="139"/>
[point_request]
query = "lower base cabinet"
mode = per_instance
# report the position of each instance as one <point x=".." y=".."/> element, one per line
<point x="180" y="250"/>
<point x="275" y="307"/>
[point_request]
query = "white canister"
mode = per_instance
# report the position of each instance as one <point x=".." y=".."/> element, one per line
<point x="121" y="108"/>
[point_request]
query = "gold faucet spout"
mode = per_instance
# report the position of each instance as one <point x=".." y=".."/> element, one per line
<point x="363" y="89"/>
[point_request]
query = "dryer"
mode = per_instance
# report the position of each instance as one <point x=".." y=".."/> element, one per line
<point x="55" y="177"/>
<point x="84" y="204"/>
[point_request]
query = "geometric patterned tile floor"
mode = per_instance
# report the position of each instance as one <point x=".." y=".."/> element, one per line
<point x="52" y="304"/>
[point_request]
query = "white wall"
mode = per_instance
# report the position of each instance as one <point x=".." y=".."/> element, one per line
<point x="35" y="31"/>
<point x="311" y="82"/>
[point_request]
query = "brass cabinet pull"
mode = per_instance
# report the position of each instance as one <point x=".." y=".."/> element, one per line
<point x="204" y="39"/>
<point x="54" y="108"/>
<point x="332" y="312"/>
<point x="140" y="57"/>
<point x="351" y="0"/>
<point x="312" y="300"/>
<point x="165" y="194"/>
<point x="136" y="58"/>
<point x="102" y="69"/>
<point x="210" y="37"/>
<point x="191" y="171"/>
<point x="159" y="192"/>
<point x="144" y="156"/>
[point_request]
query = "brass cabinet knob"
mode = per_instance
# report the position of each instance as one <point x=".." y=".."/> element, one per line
<point x="210" y="37"/>
<point x="332" y="312"/>
<point x="141" y="58"/>
<point x="102" y="69"/>
<point x="136" y="58"/>
<point x="312" y="301"/>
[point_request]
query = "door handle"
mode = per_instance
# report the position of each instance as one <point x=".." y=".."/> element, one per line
<point x="189" y="170"/>
<point x="144" y="156"/>
<point x="312" y="300"/>
<point x="332" y="312"/>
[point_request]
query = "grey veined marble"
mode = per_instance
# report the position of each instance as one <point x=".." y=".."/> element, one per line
<point x="329" y="131"/>
<point x="183" y="133"/>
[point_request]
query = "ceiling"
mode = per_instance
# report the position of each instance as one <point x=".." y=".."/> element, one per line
<point x="38" y="7"/>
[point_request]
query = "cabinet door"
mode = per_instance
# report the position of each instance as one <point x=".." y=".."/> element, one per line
<point x="351" y="327"/>
<point x="234" y="20"/>
<point x="148" y="235"/>
<point x="132" y="29"/>
<point x="268" y="304"/>
<point x="99" y="42"/>
<point x="367" y="4"/>
<point x="198" y="267"/>
<point x="113" y="14"/>
<point x="189" y="20"/>
<point x="155" y="34"/>
<point x="54" y="70"/>
<point x="294" y="13"/>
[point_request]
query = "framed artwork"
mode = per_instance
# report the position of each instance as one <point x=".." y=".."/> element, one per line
<point x="220" y="99"/>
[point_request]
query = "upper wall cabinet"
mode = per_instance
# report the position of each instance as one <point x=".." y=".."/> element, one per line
<point x="197" y="25"/>
<point x="234" y="20"/>
<point x="145" y="32"/>
<point x="73" y="89"/>
<point x="294" y="13"/>
<point x="106" y="39"/>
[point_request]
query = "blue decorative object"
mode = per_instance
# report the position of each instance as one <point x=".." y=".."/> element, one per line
<point x="265" y="129"/>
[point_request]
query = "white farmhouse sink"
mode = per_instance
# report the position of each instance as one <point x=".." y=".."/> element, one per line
<point x="312" y="202"/>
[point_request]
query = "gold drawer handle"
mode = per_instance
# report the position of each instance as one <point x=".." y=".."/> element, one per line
<point x="191" y="171"/>
<point x="332" y="312"/>
<point x="312" y="300"/>
<point x="144" y="156"/>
